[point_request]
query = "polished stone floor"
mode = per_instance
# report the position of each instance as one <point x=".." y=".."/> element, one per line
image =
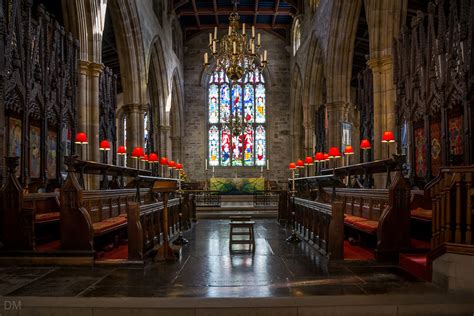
<point x="208" y="269"/>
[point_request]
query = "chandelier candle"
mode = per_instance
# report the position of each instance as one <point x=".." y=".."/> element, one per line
<point x="235" y="52"/>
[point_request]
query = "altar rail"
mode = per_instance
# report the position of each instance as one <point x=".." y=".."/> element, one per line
<point x="321" y="224"/>
<point x="452" y="195"/>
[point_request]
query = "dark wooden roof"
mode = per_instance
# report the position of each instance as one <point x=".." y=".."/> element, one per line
<point x="203" y="15"/>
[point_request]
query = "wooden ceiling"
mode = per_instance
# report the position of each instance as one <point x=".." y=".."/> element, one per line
<point x="203" y="15"/>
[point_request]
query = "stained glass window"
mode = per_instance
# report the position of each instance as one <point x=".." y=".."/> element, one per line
<point x="237" y="120"/>
<point x="145" y="131"/>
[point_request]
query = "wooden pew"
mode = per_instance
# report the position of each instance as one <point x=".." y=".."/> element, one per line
<point x="86" y="215"/>
<point x="321" y="224"/>
<point x="382" y="213"/>
<point x="145" y="226"/>
<point x="24" y="212"/>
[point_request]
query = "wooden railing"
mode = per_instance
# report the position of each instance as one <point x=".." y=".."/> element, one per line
<point x="452" y="203"/>
<point x="208" y="199"/>
<point x="321" y="224"/>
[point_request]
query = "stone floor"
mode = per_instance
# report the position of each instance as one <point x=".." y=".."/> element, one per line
<point x="208" y="269"/>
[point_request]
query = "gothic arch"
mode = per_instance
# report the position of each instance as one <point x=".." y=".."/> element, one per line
<point x="176" y="118"/>
<point x="298" y="114"/>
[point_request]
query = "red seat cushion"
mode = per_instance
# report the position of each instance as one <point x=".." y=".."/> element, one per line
<point x="368" y="226"/>
<point x="422" y="213"/>
<point x="351" y="219"/>
<point x="108" y="224"/>
<point x="46" y="217"/>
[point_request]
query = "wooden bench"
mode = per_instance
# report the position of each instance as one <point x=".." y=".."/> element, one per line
<point x="86" y="215"/>
<point x="21" y="213"/>
<point x="45" y="206"/>
<point x="382" y="213"/>
<point x="144" y="226"/>
<point x="242" y="226"/>
<point x="321" y="224"/>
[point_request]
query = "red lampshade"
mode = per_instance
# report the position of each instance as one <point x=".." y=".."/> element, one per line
<point x="122" y="151"/>
<point x="348" y="150"/>
<point x="81" y="139"/>
<point x="388" y="137"/>
<point x="365" y="144"/>
<point x="292" y="166"/>
<point x="319" y="157"/>
<point x="153" y="158"/>
<point x="163" y="161"/>
<point x="300" y="163"/>
<point x="334" y="152"/>
<point x="172" y="164"/>
<point x="308" y="161"/>
<point x="144" y="157"/>
<point x="326" y="157"/>
<point x="179" y="166"/>
<point x="138" y="152"/>
<point x="104" y="145"/>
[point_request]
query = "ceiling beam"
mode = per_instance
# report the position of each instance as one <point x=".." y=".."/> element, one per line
<point x="216" y="15"/>
<point x="179" y="3"/>
<point x="255" y="13"/>
<point x="196" y="14"/>
<point x="261" y="26"/>
<point x="241" y="11"/>
<point x="277" y="5"/>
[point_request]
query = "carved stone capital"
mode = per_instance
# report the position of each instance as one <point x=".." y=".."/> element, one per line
<point x="96" y="69"/>
<point x="132" y="108"/>
<point x="84" y="67"/>
<point x="377" y="64"/>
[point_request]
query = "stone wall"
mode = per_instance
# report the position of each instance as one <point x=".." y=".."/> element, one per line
<point x="278" y="106"/>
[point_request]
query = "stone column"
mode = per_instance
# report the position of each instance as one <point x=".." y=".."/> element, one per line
<point x="384" y="103"/>
<point x="165" y="149"/>
<point x="95" y="70"/>
<point x="82" y="104"/>
<point x="135" y="136"/>
<point x="336" y="114"/>
<point x="309" y="140"/>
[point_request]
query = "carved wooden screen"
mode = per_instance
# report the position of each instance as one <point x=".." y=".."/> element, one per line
<point x="431" y="72"/>
<point x="108" y="108"/>
<point x="365" y="105"/>
<point x="38" y="96"/>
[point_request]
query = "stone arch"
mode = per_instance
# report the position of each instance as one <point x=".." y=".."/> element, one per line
<point x="298" y="134"/>
<point x="176" y="118"/>
<point x="338" y="71"/>
<point x="314" y="91"/>
<point x="130" y="50"/>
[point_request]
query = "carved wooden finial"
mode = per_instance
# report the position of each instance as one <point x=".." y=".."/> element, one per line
<point x="12" y="163"/>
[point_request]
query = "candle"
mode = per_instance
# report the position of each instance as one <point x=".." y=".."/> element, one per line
<point x="234" y="45"/>
<point x="258" y="40"/>
<point x="253" y="48"/>
<point x="210" y="39"/>
<point x="205" y="165"/>
<point x="214" y="47"/>
<point x="253" y="31"/>
<point x="206" y="59"/>
<point x="268" y="164"/>
<point x="243" y="28"/>
<point x="213" y="170"/>
<point x="215" y="32"/>
<point x="265" y="55"/>
<point x="261" y="168"/>
<point x="230" y="29"/>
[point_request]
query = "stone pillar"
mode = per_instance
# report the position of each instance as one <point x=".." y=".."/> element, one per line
<point x="176" y="148"/>
<point x="94" y="111"/>
<point x="384" y="103"/>
<point x="336" y="113"/>
<point x="309" y="140"/>
<point x="165" y="149"/>
<point x="88" y="105"/>
<point x="135" y="134"/>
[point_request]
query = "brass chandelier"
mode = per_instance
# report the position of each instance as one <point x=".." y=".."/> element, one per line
<point x="236" y="52"/>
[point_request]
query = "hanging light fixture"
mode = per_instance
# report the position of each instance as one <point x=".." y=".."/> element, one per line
<point x="236" y="52"/>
